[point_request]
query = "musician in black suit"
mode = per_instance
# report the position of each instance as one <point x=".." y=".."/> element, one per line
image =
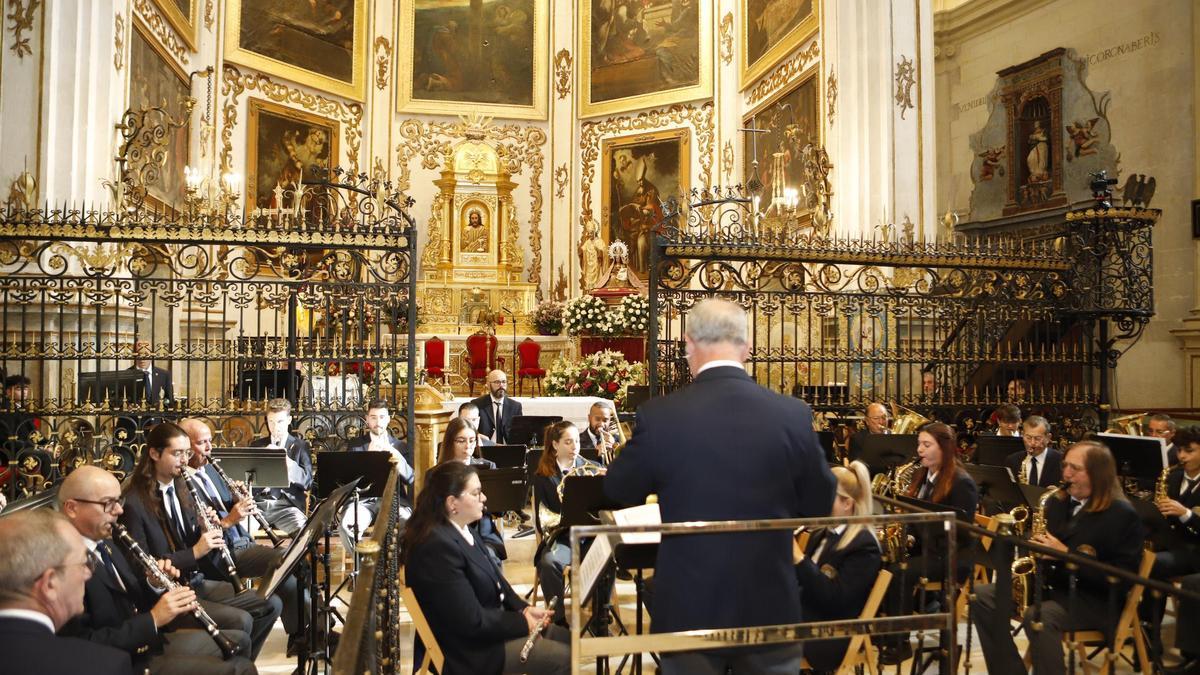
<point x="1090" y="515"/>
<point x="497" y="397"/>
<point x="839" y="566"/>
<point x="724" y="448"/>
<point x="458" y="445"/>
<point x="940" y="479"/>
<point x="285" y="508"/>
<point x="44" y="566"/>
<point x="252" y="560"/>
<point x="479" y="621"/>
<point x="470" y="414"/>
<point x="876" y="419"/>
<point x="161" y="516"/>
<point x="121" y="609"/>
<point x="157" y="381"/>
<point x="560" y="454"/>
<point x="16" y="425"/>
<point x="1160" y="425"/>
<point x="1181" y="509"/>
<point x="602" y="435"/>
<point x="1038" y="462"/>
<point x="378" y="439"/>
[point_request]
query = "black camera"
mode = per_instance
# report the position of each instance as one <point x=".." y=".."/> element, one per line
<point x="1101" y="186"/>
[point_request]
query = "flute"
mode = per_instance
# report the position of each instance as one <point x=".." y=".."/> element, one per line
<point x="229" y="648"/>
<point x="242" y="494"/>
<point x="537" y="630"/>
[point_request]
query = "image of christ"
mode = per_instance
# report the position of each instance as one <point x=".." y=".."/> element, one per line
<point x="474" y="234"/>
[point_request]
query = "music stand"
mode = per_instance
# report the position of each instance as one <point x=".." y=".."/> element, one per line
<point x="320" y="521"/>
<point x="505" y="489"/>
<point x="335" y="469"/>
<point x="505" y="456"/>
<point x="998" y="490"/>
<point x="1141" y="457"/>
<point x="826" y="439"/>
<point x="264" y="467"/>
<point x="636" y="395"/>
<point x="882" y="452"/>
<point x="584" y="499"/>
<point x="1033" y="493"/>
<point x="993" y="450"/>
<point x="528" y="429"/>
<point x="262" y="383"/>
<point x="115" y="385"/>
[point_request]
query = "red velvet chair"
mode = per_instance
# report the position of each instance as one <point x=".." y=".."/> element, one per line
<point x="528" y="354"/>
<point x="481" y="358"/>
<point x="435" y="359"/>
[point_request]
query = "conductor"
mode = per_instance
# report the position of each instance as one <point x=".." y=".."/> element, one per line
<point x="753" y="455"/>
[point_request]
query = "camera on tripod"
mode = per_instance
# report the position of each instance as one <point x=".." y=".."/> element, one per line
<point x="1101" y="186"/>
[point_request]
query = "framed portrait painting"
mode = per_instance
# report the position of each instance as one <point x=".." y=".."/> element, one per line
<point x="639" y="173"/>
<point x="317" y="43"/>
<point x="790" y="120"/>
<point x="156" y="80"/>
<point x="643" y="53"/>
<point x="285" y="146"/>
<point x="772" y="29"/>
<point x="484" y="56"/>
<point x="183" y="16"/>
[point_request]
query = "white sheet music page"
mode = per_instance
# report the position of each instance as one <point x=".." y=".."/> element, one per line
<point x="646" y="514"/>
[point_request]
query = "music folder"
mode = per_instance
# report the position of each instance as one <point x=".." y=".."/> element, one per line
<point x="881" y="452"/>
<point x="1136" y="456"/>
<point x="335" y="469"/>
<point x="262" y="467"/>
<point x="993" y="450"/>
<point x="505" y="488"/>
<point x="999" y="492"/>
<point x="529" y="429"/>
<point x="505" y="456"/>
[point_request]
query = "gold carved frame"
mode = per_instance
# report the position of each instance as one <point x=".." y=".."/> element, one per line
<point x="255" y="107"/>
<point x="773" y="56"/>
<point x="144" y="31"/>
<point x="354" y="90"/>
<point x="812" y="75"/>
<point x="702" y="89"/>
<point x="541" y="82"/>
<point x="186" y="25"/>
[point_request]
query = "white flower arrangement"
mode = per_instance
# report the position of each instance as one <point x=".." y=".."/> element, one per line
<point x="589" y="315"/>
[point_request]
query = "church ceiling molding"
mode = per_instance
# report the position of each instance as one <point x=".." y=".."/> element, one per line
<point x="234" y="83"/>
<point x="785" y="73"/>
<point x="519" y="146"/>
<point x="162" y="30"/>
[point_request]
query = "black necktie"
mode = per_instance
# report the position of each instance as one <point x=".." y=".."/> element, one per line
<point x="1033" y="473"/>
<point x="1075" y="504"/>
<point x="926" y="490"/>
<point x="106" y="558"/>
<point x="1189" y="484"/>
<point x="175" y="517"/>
<point x="499" y="431"/>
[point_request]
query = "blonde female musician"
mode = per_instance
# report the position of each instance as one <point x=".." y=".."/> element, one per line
<point x="560" y="454"/>
<point x="839" y="566"/>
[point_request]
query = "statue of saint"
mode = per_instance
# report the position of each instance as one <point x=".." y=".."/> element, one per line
<point x="593" y="256"/>
<point x="1039" y="154"/>
<point x="474" y="235"/>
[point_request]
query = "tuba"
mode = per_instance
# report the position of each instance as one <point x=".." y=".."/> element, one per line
<point x="907" y="422"/>
<point x="1024" y="567"/>
<point x="1132" y="425"/>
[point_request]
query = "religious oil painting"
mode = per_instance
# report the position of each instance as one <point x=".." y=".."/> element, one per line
<point x="484" y="56"/>
<point x="643" y="53"/>
<point x="474" y="234"/>
<point x="155" y="80"/>
<point x="789" y="122"/>
<point x="640" y="173"/>
<point x="772" y="29"/>
<point x="283" y="147"/>
<point x="184" y="17"/>
<point x="317" y="43"/>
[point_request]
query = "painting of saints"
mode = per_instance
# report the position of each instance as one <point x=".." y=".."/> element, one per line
<point x="643" y="47"/>
<point x="316" y="35"/>
<point x="768" y="23"/>
<point x="479" y="52"/>
<point x="640" y="175"/>
<point x="474" y="236"/>
<point x="155" y="81"/>
<point x="790" y="123"/>
<point x="287" y="147"/>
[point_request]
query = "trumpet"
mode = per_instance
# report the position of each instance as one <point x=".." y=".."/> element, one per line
<point x="537" y="630"/>
<point x="229" y="648"/>
<point x="241" y="493"/>
<point x="208" y="523"/>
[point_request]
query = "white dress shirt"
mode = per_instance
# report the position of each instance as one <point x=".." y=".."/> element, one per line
<point x="28" y="615"/>
<point x="719" y="363"/>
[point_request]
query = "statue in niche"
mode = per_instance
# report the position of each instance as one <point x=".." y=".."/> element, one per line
<point x="1039" y="154"/>
<point x="474" y="234"/>
<point x="593" y="256"/>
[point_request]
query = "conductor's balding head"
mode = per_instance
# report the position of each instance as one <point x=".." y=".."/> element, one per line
<point x="716" y="331"/>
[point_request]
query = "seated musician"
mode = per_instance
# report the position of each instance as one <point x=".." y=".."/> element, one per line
<point x="16" y="425"/>
<point x="602" y="434"/>
<point x="470" y="413"/>
<point x="1181" y="508"/>
<point x="252" y="560"/>
<point x="161" y="516"/>
<point x="458" y="446"/>
<point x="1039" y="463"/>
<point x="1090" y="515"/>
<point x="940" y="479"/>
<point x="377" y="439"/>
<point x="479" y="621"/>
<point x="876" y="419"/>
<point x="1160" y="425"/>
<point x="124" y="611"/>
<point x="560" y="454"/>
<point x="839" y="566"/>
<point x="284" y="508"/>
<point x="1008" y="420"/>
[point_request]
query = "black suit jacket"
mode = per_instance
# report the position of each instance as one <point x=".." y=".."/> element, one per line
<point x="1172" y="455"/>
<point x="161" y="388"/>
<point x="155" y="536"/>
<point x="1115" y="534"/>
<point x="836" y="587"/>
<point x="471" y="608"/>
<point x="724" y="448"/>
<point x="29" y="648"/>
<point x="118" y="617"/>
<point x="300" y="452"/>
<point x="1049" y="466"/>
<point x="1184" y="537"/>
<point x="487" y="416"/>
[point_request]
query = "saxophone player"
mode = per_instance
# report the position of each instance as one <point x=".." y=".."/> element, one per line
<point x="1090" y="515"/>
<point x="1038" y="462"/>
<point x="1178" y="499"/>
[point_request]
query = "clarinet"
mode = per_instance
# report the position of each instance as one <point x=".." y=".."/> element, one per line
<point x="537" y="631"/>
<point x="202" y="514"/>
<point x="229" y="648"/>
<point x="241" y="494"/>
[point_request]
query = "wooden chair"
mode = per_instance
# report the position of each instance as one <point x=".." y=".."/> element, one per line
<point x="1128" y="628"/>
<point x="529" y="354"/>
<point x="435" y="359"/>
<point x="860" y="651"/>
<point x="433" y="652"/>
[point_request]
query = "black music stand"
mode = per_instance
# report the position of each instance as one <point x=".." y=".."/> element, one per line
<point x="336" y="469"/>
<point x="505" y="488"/>
<point x="261" y="384"/>
<point x="529" y="429"/>
<point x="993" y="450"/>
<point x="128" y="386"/>
<point x="882" y="452"/>
<point x="636" y="395"/>
<point x="826" y="439"/>
<point x="999" y="492"/>
<point x="261" y="467"/>
<point x="1140" y="457"/>
<point x="505" y="456"/>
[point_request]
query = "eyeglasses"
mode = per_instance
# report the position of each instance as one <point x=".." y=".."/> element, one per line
<point x="108" y="505"/>
<point x="89" y="562"/>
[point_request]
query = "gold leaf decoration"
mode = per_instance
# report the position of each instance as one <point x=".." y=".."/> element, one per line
<point x="161" y="29"/>
<point x="118" y="41"/>
<point x="22" y="16"/>
<point x="784" y="73"/>
<point x="726" y="38"/>
<point x="383" y="56"/>
<point x="563" y="65"/>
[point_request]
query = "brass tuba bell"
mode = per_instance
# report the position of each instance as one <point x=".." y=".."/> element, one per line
<point x="908" y="422"/>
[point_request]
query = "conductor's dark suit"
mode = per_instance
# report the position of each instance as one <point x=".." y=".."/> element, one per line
<point x="835" y="586"/>
<point x="31" y="648"/>
<point x="158" y="386"/>
<point x="487" y="417"/>
<point x="1049" y="466"/>
<point x="724" y="448"/>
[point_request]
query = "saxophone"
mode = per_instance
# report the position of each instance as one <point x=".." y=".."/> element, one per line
<point x="1160" y="486"/>
<point x="1023" y="567"/>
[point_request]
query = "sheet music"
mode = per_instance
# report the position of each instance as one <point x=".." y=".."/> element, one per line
<point x="594" y="562"/>
<point x="646" y="514"/>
